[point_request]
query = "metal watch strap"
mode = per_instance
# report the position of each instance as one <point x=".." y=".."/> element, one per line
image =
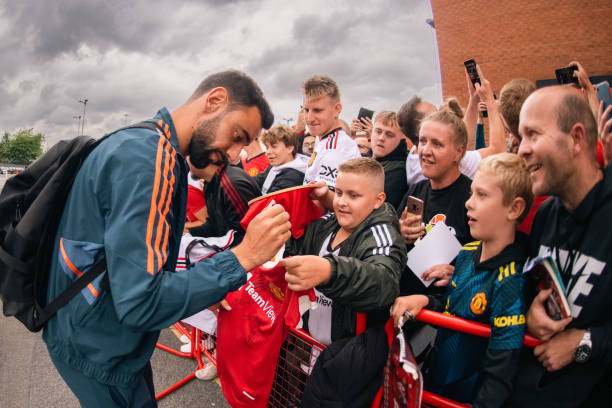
<point x="583" y="351"/>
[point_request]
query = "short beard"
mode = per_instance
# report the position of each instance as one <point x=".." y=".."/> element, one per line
<point x="202" y="139"/>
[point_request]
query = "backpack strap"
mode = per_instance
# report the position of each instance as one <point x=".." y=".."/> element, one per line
<point x="194" y="243"/>
<point x="63" y="298"/>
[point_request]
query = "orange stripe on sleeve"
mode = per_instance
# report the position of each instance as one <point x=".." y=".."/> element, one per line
<point x="153" y="209"/>
<point x="163" y="199"/>
<point x="167" y="208"/>
<point x="74" y="269"/>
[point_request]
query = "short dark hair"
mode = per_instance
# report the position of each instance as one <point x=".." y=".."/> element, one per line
<point x="408" y="119"/>
<point x="242" y="92"/>
<point x="572" y="109"/>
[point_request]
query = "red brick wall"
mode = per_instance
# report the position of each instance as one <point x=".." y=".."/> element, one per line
<point x="520" y="38"/>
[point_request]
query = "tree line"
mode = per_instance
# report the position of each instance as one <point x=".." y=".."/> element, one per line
<point x="22" y="147"/>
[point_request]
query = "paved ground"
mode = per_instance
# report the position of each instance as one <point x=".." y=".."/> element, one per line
<point x="28" y="379"/>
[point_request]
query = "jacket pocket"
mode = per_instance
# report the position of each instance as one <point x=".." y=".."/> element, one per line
<point x="86" y="312"/>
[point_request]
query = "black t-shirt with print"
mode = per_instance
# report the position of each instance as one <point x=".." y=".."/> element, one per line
<point x="446" y="204"/>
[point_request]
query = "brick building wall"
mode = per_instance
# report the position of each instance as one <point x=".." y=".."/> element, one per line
<point x="520" y="38"/>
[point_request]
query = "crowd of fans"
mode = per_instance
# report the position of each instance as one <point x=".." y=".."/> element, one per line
<point x="538" y="186"/>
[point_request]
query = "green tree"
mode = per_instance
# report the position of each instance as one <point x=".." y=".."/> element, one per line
<point x="4" y="144"/>
<point x="23" y="147"/>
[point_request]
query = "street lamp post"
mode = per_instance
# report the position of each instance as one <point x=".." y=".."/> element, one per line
<point x="84" y="102"/>
<point x="79" y="124"/>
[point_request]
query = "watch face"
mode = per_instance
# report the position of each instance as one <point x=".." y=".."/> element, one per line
<point x="582" y="353"/>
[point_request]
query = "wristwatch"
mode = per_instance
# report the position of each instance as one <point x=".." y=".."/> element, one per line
<point x="583" y="351"/>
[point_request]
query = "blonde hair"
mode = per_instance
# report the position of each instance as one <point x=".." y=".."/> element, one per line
<point x="320" y="85"/>
<point x="387" y="118"/>
<point x="365" y="166"/>
<point x="510" y="172"/>
<point x="283" y="134"/>
<point x="451" y="114"/>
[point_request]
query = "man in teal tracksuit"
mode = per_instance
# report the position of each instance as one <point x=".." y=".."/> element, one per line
<point x="127" y="204"/>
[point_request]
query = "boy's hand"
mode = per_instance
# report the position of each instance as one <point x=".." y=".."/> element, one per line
<point x="306" y="272"/>
<point x="411" y="227"/>
<point x="273" y="224"/>
<point x="223" y="304"/>
<point x="413" y="304"/>
<point x="539" y="324"/>
<point x="442" y="272"/>
<point x="319" y="192"/>
<point x="323" y="196"/>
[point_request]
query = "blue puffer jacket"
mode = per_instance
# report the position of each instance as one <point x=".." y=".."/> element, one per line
<point x="128" y="204"/>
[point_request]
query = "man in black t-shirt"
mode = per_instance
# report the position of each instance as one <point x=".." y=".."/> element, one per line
<point x="573" y="364"/>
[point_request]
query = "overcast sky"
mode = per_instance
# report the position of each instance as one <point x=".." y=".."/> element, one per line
<point x="131" y="57"/>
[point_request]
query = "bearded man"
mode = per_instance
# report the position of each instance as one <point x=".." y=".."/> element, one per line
<point x="127" y="205"/>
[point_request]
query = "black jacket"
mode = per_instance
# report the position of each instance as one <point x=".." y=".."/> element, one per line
<point x="288" y="175"/>
<point x="349" y="372"/>
<point x="366" y="273"/>
<point x="584" y="236"/>
<point x="227" y="196"/>
<point x="394" y="165"/>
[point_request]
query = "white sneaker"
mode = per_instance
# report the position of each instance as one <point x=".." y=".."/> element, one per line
<point x="186" y="348"/>
<point x="207" y="373"/>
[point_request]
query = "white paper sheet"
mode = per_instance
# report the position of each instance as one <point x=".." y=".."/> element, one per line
<point x="439" y="246"/>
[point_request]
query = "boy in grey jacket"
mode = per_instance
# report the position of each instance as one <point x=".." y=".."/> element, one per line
<point x="353" y="258"/>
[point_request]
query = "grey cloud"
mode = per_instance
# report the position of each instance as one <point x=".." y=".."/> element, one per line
<point x="132" y="57"/>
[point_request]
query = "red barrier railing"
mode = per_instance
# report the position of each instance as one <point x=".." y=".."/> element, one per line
<point x="465" y="326"/>
<point x="196" y="352"/>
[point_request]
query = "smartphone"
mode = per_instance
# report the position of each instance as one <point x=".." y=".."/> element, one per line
<point x="603" y="94"/>
<point x="470" y="65"/>
<point x="365" y="113"/>
<point x="566" y="76"/>
<point x="414" y="206"/>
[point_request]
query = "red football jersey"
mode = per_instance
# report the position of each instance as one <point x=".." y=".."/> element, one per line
<point x="255" y="165"/>
<point x="249" y="337"/>
<point x="296" y="201"/>
<point x="195" y="202"/>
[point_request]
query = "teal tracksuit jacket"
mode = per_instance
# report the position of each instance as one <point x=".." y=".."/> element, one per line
<point x="128" y="204"/>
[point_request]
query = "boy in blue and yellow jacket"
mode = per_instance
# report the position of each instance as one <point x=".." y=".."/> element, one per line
<point x="488" y="287"/>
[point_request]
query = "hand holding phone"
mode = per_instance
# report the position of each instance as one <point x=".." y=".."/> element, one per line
<point x="470" y="66"/>
<point x="603" y="93"/>
<point x="365" y="113"/>
<point x="566" y="76"/>
<point x="414" y="206"/>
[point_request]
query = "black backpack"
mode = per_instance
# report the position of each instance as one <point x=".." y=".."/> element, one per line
<point x="31" y="206"/>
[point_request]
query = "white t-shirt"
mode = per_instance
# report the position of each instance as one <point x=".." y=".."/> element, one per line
<point x="468" y="165"/>
<point x="330" y="152"/>
<point x="319" y="319"/>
